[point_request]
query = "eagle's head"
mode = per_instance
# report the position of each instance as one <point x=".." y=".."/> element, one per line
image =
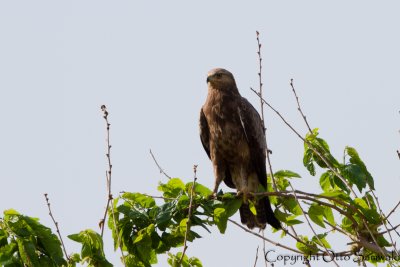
<point x="221" y="79"/>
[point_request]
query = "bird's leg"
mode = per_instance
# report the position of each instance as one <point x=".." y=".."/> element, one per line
<point x="219" y="176"/>
<point x="243" y="189"/>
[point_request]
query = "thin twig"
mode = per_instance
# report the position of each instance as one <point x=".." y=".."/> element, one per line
<point x="391" y="229"/>
<point x="264" y="248"/>
<point x="108" y="178"/>
<point x="158" y="165"/>
<point x="188" y="222"/>
<point x="393" y="210"/>
<point x="266" y="239"/>
<point x="299" y="107"/>
<point x="56" y="224"/>
<point x="260" y="93"/>
<point x="147" y="195"/>
<point x="260" y="76"/>
<point x="384" y="221"/>
<point x="255" y="261"/>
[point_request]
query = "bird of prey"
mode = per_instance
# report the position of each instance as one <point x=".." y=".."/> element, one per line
<point x="233" y="136"/>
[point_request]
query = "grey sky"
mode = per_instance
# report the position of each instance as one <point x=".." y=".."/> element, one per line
<point x="147" y="61"/>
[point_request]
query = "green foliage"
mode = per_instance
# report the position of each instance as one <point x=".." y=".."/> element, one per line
<point x="147" y="228"/>
<point x="92" y="251"/>
<point x="177" y="260"/>
<point x="24" y="241"/>
<point x="143" y="226"/>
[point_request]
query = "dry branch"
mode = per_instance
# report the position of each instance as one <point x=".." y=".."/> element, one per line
<point x="56" y="224"/>
<point x="109" y="192"/>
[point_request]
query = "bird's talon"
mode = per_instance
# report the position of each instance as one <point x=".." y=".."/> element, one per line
<point x="213" y="196"/>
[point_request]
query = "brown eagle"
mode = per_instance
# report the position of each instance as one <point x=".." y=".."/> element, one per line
<point x="232" y="134"/>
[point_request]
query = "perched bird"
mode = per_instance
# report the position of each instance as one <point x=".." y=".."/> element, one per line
<point x="233" y="135"/>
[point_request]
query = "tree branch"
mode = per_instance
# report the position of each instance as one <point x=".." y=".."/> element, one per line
<point x="299" y="107"/>
<point x="56" y="224"/>
<point x="264" y="238"/>
<point x="108" y="178"/>
<point x="158" y="165"/>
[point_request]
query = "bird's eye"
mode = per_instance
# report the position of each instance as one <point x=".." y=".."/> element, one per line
<point x="218" y="75"/>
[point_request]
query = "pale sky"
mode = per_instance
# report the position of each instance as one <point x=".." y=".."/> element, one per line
<point x="147" y="61"/>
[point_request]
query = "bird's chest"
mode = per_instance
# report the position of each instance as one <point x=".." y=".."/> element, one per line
<point x="227" y="135"/>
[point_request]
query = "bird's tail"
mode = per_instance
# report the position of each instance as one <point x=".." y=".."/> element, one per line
<point x="264" y="215"/>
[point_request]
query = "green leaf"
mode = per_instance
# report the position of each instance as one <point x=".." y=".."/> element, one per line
<point x="28" y="252"/>
<point x="316" y="214"/>
<point x="282" y="183"/>
<point x="183" y="225"/>
<point x="382" y="242"/>
<point x="290" y="222"/>
<point x="132" y="260"/>
<point x="140" y="199"/>
<point x="221" y="219"/>
<point x="232" y="205"/>
<point x="321" y="241"/>
<point x="252" y="207"/>
<point x="372" y="215"/>
<point x="143" y="244"/>
<point x="165" y="214"/>
<point x="355" y="175"/>
<point x="281" y="216"/>
<point x="6" y="253"/>
<point x="328" y="214"/>
<point x="199" y="189"/>
<point x="286" y="174"/>
<point x="92" y="250"/>
<point x="48" y="242"/>
<point x="326" y="181"/>
<point x="174" y="260"/>
<point x="355" y="159"/>
<point x="194" y="262"/>
<point x="293" y="206"/>
<point x="347" y="224"/>
<point x="75" y="257"/>
<point x="173" y="188"/>
<point x="308" y="247"/>
<point x="339" y="183"/>
<point x="308" y="160"/>
<point x="10" y="212"/>
<point x="3" y="237"/>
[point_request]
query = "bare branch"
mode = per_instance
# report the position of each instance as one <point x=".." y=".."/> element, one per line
<point x="260" y="77"/>
<point x="260" y="93"/>
<point x="299" y="107"/>
<point x="391" y="229"/>
<point x="255" y="261"/>
<point x="266" y="239"/>
<point x="384" y="221"/>
<point x="393" y="210"/>
<point x="56" y="224"/>
<point x="158" y="165"/>
<point x="108" y="178"/>
<point x="188" y="222"/>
